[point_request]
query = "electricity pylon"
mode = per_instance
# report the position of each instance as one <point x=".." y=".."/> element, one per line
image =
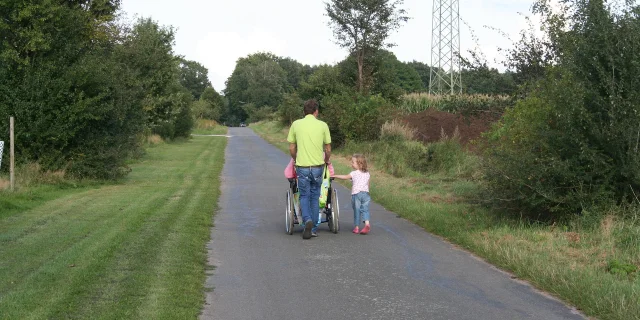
<point x="444" y="77"/>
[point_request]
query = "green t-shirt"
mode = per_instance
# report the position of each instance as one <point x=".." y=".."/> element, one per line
<point x="310" y="135"/>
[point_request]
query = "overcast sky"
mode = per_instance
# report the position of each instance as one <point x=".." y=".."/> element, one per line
<point x="216" y="33"/>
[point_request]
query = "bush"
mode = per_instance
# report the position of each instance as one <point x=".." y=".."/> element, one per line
<point x="184" y="122"/>
<point x="392" y="160"/>
<point x="203" y="109"/>
<point x="448" y="156"/>
<point x="353" y="117"/>
<point x="256" y="114"/>
<point x="325" y="81"/>
<point x="547" y="155"/>
<point x="572" y="143"/>
<point x="396" y="131"/>
<point x="290" y="109"/>
<point x="401" y="156"/>
<point x="84" y="118"/>
<point x="165" y="129"/>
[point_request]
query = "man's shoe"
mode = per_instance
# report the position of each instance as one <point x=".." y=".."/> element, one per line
<point x="314" y="234"/>
<point x="306" y="233"/>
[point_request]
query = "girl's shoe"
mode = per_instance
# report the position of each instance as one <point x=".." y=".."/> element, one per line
<point x="356" y="230"/>
<point x="365" y="230"/>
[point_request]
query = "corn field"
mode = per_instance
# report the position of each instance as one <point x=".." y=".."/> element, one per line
<point x="418" y="102"/>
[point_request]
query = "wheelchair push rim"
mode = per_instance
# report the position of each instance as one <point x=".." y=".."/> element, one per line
<point x="289" y="212"/>
<point x="334" y="223"/>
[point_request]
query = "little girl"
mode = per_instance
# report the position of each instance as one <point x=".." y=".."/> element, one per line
<point x="359" y="192"/>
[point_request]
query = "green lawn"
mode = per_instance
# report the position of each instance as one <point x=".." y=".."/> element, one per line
<point x="583" y="266"/>
<point x="132" y="250"/>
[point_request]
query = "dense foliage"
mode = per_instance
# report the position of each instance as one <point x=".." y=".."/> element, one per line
<point x="572" y="142"/>
<point x="85" y="89"/>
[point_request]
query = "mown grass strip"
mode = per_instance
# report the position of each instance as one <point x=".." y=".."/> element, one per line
<point x="134" y="250"/>
<point x="568" y="264"/>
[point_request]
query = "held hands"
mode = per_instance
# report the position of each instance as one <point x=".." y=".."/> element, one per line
<point x="342" y="177"/>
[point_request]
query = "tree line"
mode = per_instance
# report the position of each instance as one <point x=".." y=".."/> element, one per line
<point x="262" y="81"/>
<point x="86" y="89"/>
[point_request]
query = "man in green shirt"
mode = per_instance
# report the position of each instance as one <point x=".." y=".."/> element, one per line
<point x="310" y="147"/>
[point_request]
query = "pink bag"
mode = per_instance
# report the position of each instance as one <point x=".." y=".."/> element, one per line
<point x="290" y="170"/>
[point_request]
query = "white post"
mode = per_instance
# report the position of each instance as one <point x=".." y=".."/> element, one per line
<point x="12" y="156"/>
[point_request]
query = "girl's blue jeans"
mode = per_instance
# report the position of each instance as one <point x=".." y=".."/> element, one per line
<point x="360" y="204"/>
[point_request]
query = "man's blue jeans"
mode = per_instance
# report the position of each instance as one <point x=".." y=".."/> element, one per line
<point x="309" y="181"/>
<point x="360" y="204"/>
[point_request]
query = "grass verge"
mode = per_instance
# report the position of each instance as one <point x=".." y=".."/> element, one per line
<point x="593" y="266"/>
<point x="204" y="126"/>
<point x="132" y="250"/>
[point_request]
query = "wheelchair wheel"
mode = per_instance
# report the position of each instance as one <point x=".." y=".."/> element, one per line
<point x="334" y="223"/>
<point x="289" y="214"/>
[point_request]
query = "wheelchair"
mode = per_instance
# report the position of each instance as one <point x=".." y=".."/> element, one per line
<point x="330" y="214"/>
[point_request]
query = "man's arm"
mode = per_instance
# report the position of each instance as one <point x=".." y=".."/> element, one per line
<point x="293" y="150"/>
<point x="327" y="144"/>
<point x="291" y="137"/>
<point x="327" y="152"/>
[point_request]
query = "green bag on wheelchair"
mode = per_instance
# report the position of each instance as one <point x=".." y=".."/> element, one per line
<point x="324" y="188"/>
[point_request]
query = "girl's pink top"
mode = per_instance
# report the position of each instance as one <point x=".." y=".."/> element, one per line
<point x="360" y="181"/>
<point x="290" y="170"/>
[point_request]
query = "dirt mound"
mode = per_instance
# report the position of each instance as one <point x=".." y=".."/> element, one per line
<point x="431" y="123"/>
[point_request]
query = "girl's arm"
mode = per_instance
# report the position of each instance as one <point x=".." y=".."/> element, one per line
<point x="343" y="176"/>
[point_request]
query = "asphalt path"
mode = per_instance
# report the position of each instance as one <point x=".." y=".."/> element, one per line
<point x="398" y="271"/>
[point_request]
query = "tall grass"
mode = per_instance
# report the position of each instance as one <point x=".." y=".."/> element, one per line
<point x="31" y="174"/>
<point x="399" y="154"/>
<point x="418" y="102"/>
<point x="397" y="130"/>
<point x="206" y="126"/>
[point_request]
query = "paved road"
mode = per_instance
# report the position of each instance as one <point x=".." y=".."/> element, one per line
<point x="399" y="271"/>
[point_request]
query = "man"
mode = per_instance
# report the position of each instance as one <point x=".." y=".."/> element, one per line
<point x="308" y="138"/>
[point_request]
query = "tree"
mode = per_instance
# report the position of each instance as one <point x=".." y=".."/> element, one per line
<point x="258" y="80"/>
<point x="485" y="80"/>
<point x="573" y="141"/>
<point x="212" y="96"/>
<point x="363" y="26"/>
<point x="210" y="106"/>
<point x="424" y="71"/>
<point x="295" y="72"/>
<point x="194" y="77"/>
<point x="77" y="104"/>
<point x="396" y="73"/>
<point x="290" y="109"/>
<point x="390" y="77"/>
<point x="148" y="49"/>
<point x="324" y="81"/>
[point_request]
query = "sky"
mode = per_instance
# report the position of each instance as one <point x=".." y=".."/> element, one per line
<point x="217" y="33"/>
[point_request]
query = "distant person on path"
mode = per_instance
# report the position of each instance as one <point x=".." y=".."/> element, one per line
<point x="308" y="139"/>
<point x="360" y="197"/>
